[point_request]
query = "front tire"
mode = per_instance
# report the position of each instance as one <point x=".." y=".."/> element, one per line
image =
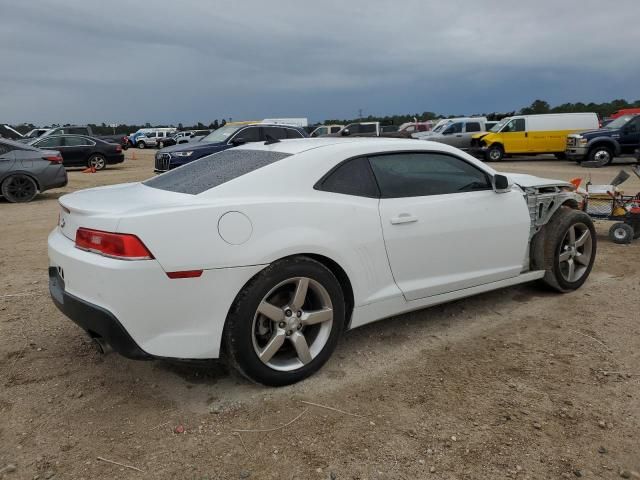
<point x="566" y="249"/>
<point x="286" y="322"/>
<point x="600" y="156"/>
<point x="141" y="145"/>
<point x="19" y="188"/>
<point x="494" y="153"/>
<point x="560" y="156"/>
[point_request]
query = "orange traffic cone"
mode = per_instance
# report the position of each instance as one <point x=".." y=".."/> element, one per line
<point x="89" y="170"/>
<point x="133" y="156"/>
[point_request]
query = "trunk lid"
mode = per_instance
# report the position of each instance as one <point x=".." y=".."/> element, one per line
<point x="102" y="208"/>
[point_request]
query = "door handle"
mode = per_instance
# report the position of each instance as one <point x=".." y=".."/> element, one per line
<point x="403" y="218"/>
<point x="459" y="135"/>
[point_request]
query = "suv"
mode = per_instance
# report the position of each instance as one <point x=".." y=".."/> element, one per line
<point x="618" y="137"/>
<point x="323" y="130"/>
<point x="151" y="139"/>
<point x="229" y="136"/>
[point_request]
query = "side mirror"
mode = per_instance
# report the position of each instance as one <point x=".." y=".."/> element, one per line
<point x="501" y="184"/>
<point x="345" y="132"/>
<point x="448" y="131"/>
<point x="238" y="141"/>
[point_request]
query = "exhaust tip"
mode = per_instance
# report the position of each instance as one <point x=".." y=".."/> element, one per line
<point x="102" y="346"/>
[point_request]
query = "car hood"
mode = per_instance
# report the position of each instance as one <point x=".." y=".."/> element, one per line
<point x="526" y="181"/>
<point x="193" y="146"/>
<point x="596" y="133"/>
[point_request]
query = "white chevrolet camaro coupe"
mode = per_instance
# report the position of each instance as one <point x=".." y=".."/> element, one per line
<point x="266" y="253"/>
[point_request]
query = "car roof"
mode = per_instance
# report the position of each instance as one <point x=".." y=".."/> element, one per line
<point x="70" y="135"/>
<point x="366" y="144"/>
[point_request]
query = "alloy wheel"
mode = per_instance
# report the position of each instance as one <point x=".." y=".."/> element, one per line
<point x="576" y="249"/>
<point x="292" y="324"/>
<point x="98" y="162"/>
<point x="20" y="188"/>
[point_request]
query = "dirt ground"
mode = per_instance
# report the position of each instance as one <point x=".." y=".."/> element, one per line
<point x="519" y="383"/>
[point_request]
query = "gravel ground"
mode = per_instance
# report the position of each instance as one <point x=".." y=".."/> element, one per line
<point x="518" y="383"/>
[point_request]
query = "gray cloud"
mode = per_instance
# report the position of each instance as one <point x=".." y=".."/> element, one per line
<point x="79" y="61"/>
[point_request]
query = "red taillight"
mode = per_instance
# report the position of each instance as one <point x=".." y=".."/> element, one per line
<point x="118" y="148"/>
<point x="116" y="245"/>
<point x="185" y="274"/>
<point x="53" y="158"/>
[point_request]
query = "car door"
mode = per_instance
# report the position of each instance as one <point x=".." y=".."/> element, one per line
<point x="470" y="129"/>
<point x="630" y="136"/>
<point x="453" y="135"/>
<point x="77" y="149"/>
<point x="444" y="226"/>
<point x="247" y="135"/>
<point x="7" y="159"/>
<point x="515" y="137"/>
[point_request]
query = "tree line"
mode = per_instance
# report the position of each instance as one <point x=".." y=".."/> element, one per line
<point x="603" y="110"/>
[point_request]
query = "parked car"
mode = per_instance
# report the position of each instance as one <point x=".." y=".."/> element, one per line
<point x="82" y="150"/>
<point x="443" y="124"/>
<point x="369" y="129"/>
<point x="175" y="139"/>
<point x="620" y="137"/>
<point x="151" y="139"/>
<point x="284" y="246"/>
<point x="323" y="130"/>
<point x="81" y="130"/>
<point x="144" y="132"/>
<point x="531" y="135"/>
<point x="415" y="127"/>
<point x="457" y="133"/>
<point x="25" y="171"/>
<point x="231" y="135"/>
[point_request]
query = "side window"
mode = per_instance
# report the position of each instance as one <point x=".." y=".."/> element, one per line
<point x="291" y="133"/>
<point x="473" y="127"/>
<point x="49" y="142"/>
<point x="424" y="174"/>
<point x="515" y="125"/>
<point x="367" y="128"/>
<point x="454" y="128"/>
<point x="335" y="129"/>
<point x="353" y="177"/>
<point x="76" y="142"/>
<point x="250" y="134"/>
<point x="634" y="125"/>
<point x="354" y="128"/>
<point x="78" y="130"/>
<point x="274" y="132"/>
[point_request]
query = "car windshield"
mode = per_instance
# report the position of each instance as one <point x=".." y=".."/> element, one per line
<point x="442" y="126"/>
<point x="498" y="126"/>
<point x="221" y="134"/>
<point x="618" y="122"/>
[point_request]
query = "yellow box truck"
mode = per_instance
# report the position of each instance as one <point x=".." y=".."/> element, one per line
<point x="531" y="135"/>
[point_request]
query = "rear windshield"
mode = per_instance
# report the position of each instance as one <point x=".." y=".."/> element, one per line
<point x="208" y="172"/>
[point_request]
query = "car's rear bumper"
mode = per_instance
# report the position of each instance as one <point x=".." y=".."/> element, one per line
<point x="96" y="321"/>
<point x="117" y="158"/>
<point x="56" y="177"/>
<point x="163" y="317"/>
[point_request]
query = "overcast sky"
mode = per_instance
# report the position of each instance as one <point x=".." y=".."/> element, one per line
<point x="190" y="60"/>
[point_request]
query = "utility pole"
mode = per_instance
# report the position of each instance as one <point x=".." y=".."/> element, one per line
<point x="360" y="114"/>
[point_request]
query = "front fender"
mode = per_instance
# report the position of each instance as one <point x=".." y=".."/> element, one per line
<point x="608" y="140"/>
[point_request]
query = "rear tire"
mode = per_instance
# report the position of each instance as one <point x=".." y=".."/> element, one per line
<point x="494" y="153"/>
<point x="566" y="249"/>
<point x="286" y="346"/>
<point x="97" y="161"/>
<point x="19" y="188"/>
<point x="621" y="233"/>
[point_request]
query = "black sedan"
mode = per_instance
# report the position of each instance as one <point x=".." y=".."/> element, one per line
<point x="82" y="150"/>
<point x="25" y="171"/>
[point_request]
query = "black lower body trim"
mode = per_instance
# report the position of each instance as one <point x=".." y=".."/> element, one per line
<point x="95" y="320"/>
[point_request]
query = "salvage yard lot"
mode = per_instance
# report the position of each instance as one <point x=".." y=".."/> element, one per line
<point x="518" y="383"/>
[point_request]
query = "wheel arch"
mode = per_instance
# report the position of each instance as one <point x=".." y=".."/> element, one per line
<point x="605" y="141"/>
<point x="21" y="172"/>
<point x="333" y="266"/>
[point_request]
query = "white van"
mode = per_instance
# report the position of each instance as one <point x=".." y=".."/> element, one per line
<point x="531" y="134"/>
